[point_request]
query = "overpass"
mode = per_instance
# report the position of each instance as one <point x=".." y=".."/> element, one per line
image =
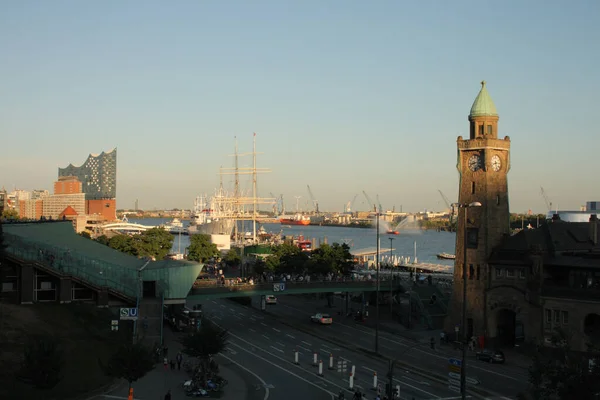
<point x="125" y="227"/>
<point x="212" y="290"/>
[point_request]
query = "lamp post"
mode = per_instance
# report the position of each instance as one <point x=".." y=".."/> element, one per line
<point x="139" y="293"/>
<point x="463" y="366"/>
<point x="391" y="274"/>
<point x="377" y="288"/>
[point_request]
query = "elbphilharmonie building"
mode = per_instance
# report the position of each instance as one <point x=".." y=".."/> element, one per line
<point x="98" y="175"/>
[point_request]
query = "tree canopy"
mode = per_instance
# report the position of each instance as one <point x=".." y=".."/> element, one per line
<point x="201" y="248"/>
<point x="561" y="374"/>
<point x="207" y="341"/>
<point x="155" y="243"/>
<point x="290" y="259"/>
<point x="43" y="362"/>
<point x="130" y="361"/>
<point x="10" y="213"/>
<point x="233" y="257"/>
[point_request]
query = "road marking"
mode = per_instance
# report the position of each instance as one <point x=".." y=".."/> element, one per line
<point x="416" y="388"/>
<point x="346" y="333"/>
<point x="237" y="316"/>
<point x="232" y="310"/>
<point x="325" y="351"/>
<point x="290" y="336"/>
<point x="369" y="369"/>
<point x="219" y="318"/>
<point x="266" y="337"/>
<point x="252" y="319"/>
<point x="108" y="396"/>
<point x="285" y="369"/>
<point x="261" y="380"/>
<point x="276" y="330"/>
<point x="406" y="343"/>
<point x="279" y="350"/>
<point x="222" y="306"/>
<point x="252" y="330"/>
<point x="263" y="324"/>
<point x="324" y="345"/>
<point x="281" y="344"/>
<point x="306" y="343"/>
<point x="304" y="348"/>
<point x="214" y="302"/>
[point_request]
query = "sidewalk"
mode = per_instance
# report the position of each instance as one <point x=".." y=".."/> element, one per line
<point x="157" y="382"/>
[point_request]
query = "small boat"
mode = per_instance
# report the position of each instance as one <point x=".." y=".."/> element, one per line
<point x="446" y="256"/>
<point x="392" y="232"/>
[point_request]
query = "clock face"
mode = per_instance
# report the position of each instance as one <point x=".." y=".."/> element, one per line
<point x="474" y="162"/>
<point x="496" y="163"/>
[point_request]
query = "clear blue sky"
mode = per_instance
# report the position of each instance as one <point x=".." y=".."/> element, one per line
<point x="344" y="95"/>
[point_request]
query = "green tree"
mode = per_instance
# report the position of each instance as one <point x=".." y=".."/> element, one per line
<point x="561" y="374"/>
<point x="335" y="258"/>
<point x="124" y="244"/>
<point x="209" y="340"/>
<point x="233" y="257"/>
<point x="131" y="361"/>
<point x="10" y="213"/>
<point x="201" y="248"/>
<point x="288" y="258"/>
<point x="43" y="362"/>
<point x="155" y="242"/>
<point x="103" y="239"/>
<point x="85" y="234"/>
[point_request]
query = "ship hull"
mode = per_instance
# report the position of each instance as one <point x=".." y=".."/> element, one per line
<point x="223" y="226"/>
<point x="294" y="222"/>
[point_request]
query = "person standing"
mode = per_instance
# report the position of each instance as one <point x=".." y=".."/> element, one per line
<point x="179" y="359"/>
<point x="168" y="395"/>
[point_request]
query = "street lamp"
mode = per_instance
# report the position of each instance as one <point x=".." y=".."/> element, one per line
<point x="391" y="274"/>
<point x="377" y="288"/>
<point x="139" y="292"/>
<point x="463" y="367"/>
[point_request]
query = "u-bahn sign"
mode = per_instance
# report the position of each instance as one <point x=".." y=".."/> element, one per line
<point x="278" y="287"/>
<point x="128" y="314"/>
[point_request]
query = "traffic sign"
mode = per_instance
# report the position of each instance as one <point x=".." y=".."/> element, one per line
<point x="454" y="382"/>
<point x="456" y="328"/>
<point x="455" y="361"/>
<point x="129" y="314"/>
<point x="114" y="322"/>
<point x="114" y="328"/>
<point x="454" y="388"/>
<point x="472" y="381"/>
<point x="278" y="287"/>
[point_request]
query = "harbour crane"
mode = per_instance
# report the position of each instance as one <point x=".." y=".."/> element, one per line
<point x="312" y="197"/>
<point x="448" y="204"/>
<point x="546" y="200"/>
<point x="350" y="205"/>
<point x="370" y="202"/>
<point x="278" y="208"/>
<point x="378" y="203"/>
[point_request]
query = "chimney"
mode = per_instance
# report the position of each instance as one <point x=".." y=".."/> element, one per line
<point x="555" y="217"/>
<point x="594" y="229"/>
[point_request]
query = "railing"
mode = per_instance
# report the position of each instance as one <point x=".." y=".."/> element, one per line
<point x="423" y="311"/>
<point x="63" y="261"/>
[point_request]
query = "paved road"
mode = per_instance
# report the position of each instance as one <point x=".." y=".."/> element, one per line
<point x="506" y="380"/>
<point x="266" y="345"/>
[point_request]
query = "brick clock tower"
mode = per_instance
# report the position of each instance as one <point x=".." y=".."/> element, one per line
<point x="483" y="164"/>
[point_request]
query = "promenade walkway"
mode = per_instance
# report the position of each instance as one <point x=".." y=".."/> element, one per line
<point x="155" y="384"/>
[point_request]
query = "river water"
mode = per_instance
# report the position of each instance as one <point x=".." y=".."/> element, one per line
<point x="429" y="243"/>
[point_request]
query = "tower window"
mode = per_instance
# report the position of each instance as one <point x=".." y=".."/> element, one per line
<point x="472" y="187"/>
<point x="489" y="129"/>
<point x="478" y="271"/>
<point x="471" y="271"/>
<point x="481" y="130"/>
<point x="497" y="199"/>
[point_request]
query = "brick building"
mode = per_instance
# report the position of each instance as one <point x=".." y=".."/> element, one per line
<point x="519" y="287"/>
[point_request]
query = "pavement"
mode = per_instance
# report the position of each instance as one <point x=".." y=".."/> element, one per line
<point x="414" y="353"/>
<point x="243" y="383"/>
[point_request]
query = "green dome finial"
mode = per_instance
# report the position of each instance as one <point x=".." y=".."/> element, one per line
<point x="483" y="106"/>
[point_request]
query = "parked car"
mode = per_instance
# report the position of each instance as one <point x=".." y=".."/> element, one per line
<point x="491" y="356"/>
<point x="323" y="319"/>
<point x="270" y="299"/>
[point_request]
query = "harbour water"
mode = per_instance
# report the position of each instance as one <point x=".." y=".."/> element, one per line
<point x="429" y="243"/>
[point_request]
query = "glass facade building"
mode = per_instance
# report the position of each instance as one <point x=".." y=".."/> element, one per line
<point x="98" y="175"/>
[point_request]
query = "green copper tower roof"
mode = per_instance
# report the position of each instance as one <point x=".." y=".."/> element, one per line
<point x="483" y="106"/>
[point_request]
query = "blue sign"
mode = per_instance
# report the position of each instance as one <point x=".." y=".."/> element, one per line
<point x="278" y="287"/>
<point x="128" y="313"/>
<point x="454" y="361"/>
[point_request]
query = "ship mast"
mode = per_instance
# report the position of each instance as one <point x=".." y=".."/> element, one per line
<point x="236" y="190"/>
<point x="254" y="189"/>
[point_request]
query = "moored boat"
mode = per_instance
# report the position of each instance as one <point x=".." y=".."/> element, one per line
<point x="446" y="256"/>
<point x="392" y="232"/>
<point x="297" y="219"/>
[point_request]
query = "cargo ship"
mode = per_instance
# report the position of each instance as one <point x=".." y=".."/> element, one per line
<point x="297" y="219"/>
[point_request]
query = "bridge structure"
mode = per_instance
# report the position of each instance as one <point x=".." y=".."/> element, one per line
<point x="125" y="227"/>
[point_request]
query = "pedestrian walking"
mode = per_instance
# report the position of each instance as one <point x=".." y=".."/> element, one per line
<point x="179" y="360"/>
<point x="168" y="395"/>
<point x="166" y="363"/>
<point x="172" y="365"/>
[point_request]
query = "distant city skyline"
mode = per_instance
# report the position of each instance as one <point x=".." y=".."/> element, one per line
<point x="344" y="96"/>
